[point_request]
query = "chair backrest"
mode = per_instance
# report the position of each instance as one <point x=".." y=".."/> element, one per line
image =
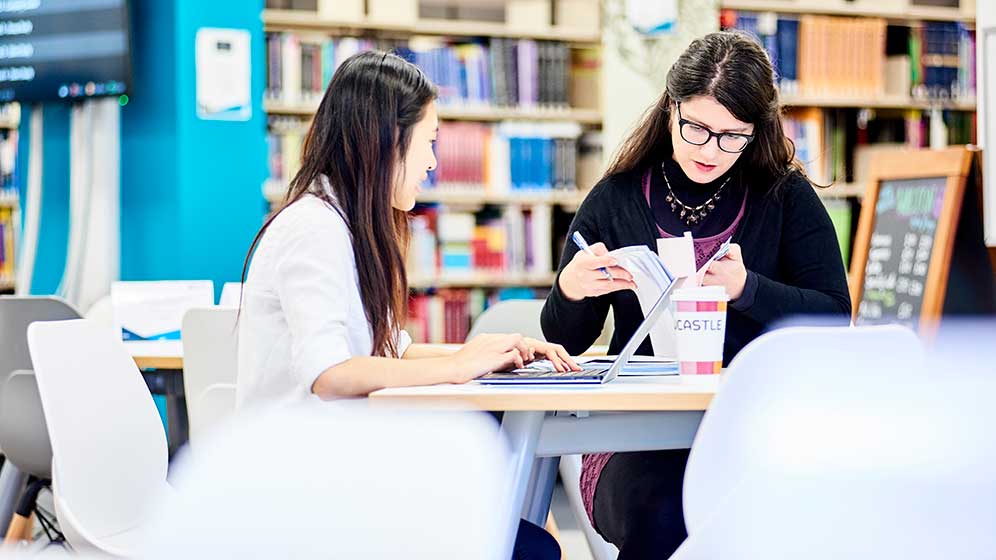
<point x="23" y="432"/>
<point x="108" y="443"/>
<point x="16" y="313"/>
<point x="373" y="483"/>
<point x="778" y="374"/>
<point x="210" y="357"/>
<point x="511" y="316"/>
<point x="231" y="294"/>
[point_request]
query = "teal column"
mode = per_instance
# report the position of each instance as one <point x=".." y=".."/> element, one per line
<point x="191" y="188"/>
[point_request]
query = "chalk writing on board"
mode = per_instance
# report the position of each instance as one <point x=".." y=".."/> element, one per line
<point x="899" y="251"/>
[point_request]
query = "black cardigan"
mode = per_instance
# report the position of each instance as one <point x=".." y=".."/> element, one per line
<point x="790" y="250"/>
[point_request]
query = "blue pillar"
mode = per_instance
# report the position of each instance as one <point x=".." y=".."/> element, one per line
<point x="191" y="189"/>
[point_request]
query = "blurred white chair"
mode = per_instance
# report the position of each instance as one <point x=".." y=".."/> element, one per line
<point x="359" y="482"/>
<point x="210" y="367"/>
<point x="837" y="443"/>
<point x="511" y="316"/>
<point x="231" y="294"/>
<point x="108" y="444"/>
<point x="101" y="311"/>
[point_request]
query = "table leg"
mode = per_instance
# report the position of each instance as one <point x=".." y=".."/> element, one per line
<point x="170" y="384"/>
<point x="521" y="431"/>
<point x="12" y="482"/>
<point x="540" y="493"/>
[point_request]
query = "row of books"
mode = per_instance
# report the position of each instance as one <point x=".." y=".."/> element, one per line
<point x="834" y="144"/>
<point x="446" y="315"/>
<point x="514" y="240"/>
<point x="498" y="158"/>
<point x="505" y="72"/>
<point x="506" y="156"/>
<point x="863" y="57"/>
<point x="8" y="159"/>
<point x="8" y="227"/>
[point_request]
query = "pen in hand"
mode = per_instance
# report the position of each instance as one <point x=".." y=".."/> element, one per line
<point x="583" y="245"/>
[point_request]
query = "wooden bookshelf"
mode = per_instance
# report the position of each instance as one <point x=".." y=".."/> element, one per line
<point x="302" y="20"/>
<point x="274" y="192"/>
<point x="529" y="198"/>
<point x="884" y="102"/>
<point x="482" y="114"/>
<point x="838" y="8"/>
<point x="484" y="280"/>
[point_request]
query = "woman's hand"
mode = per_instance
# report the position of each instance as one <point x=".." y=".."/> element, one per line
<point x="485" y="353"/>
<point x="561" y="360"/>
<point x="582" y="278"/>
<point x="728" y="272"/>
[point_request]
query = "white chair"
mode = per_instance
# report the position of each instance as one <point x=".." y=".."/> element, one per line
<point x="837" y="443"/>
<point x="108" y="444"/>
<point x="511" y="316"/>
<point x="101" y="311"/>
<point x="357" y="483"/>
<point x="210" y="367"/>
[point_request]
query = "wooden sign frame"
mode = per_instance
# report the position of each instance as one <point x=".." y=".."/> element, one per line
<point x="953" y="163"/>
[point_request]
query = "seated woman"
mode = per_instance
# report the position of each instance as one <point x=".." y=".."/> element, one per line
<point x="710" y="157"/>
<point x="326" y="291"/>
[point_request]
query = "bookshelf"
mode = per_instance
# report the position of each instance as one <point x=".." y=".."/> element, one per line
<point x="862" y="8"/>
<point x="10" y="116"/>
<point x="483" y="280"/>
<point x="882" y="102"/>
<point x="273" y="192"/>
<point x="479" y="114"/>
<point x="864" y="76"/>
<point x="487" y="227"/>
<point x="300" y="20"/>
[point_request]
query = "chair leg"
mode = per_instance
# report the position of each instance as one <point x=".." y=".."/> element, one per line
<point x="551" y="527"/>
<point x="19" y="526"/>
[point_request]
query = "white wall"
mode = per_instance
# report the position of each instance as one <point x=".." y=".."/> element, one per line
<point x="631" y="84"/>
<point x="986" y="58"/>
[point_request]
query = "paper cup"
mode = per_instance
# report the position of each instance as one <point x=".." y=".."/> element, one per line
<point x="699" y="328"/>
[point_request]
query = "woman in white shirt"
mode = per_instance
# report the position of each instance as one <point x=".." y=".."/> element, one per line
<point x="326" y="289"/>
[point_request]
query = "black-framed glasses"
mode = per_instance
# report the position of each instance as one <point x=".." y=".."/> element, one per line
<point x="694" y="133"/>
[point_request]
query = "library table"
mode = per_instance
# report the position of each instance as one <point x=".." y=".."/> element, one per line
<point x="541" y="424"/>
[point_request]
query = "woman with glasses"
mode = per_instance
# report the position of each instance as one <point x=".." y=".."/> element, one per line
<point x="709" y="158"/>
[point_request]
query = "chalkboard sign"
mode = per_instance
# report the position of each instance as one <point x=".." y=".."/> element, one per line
<point x="902" y="251"/>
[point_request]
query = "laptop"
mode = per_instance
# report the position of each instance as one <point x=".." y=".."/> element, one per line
<point x="589" y="374"/>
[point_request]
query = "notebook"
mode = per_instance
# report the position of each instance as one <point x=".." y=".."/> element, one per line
<point x="590" y="374"/>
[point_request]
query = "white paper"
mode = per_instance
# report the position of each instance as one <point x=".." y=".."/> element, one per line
<point x="650" y="283"/>
<point x="223" y="74"/>
<point x="678" y="255"/>
<point x="154" y="310"/>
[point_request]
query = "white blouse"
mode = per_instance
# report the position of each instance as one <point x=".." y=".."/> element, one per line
<point x="302" y="311"/>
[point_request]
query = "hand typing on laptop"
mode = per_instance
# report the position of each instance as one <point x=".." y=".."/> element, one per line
<point x="490" y="352"/>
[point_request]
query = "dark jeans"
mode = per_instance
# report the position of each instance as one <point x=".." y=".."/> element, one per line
<point x="534" y="543"/>
<point x="638" y="503"/>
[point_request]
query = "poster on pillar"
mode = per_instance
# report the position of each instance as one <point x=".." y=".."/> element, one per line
<point x="224" y="75"/>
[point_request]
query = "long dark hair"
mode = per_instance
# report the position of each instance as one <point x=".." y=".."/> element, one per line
<point x="358" y="140"/>
<point x="733" y="68"/>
